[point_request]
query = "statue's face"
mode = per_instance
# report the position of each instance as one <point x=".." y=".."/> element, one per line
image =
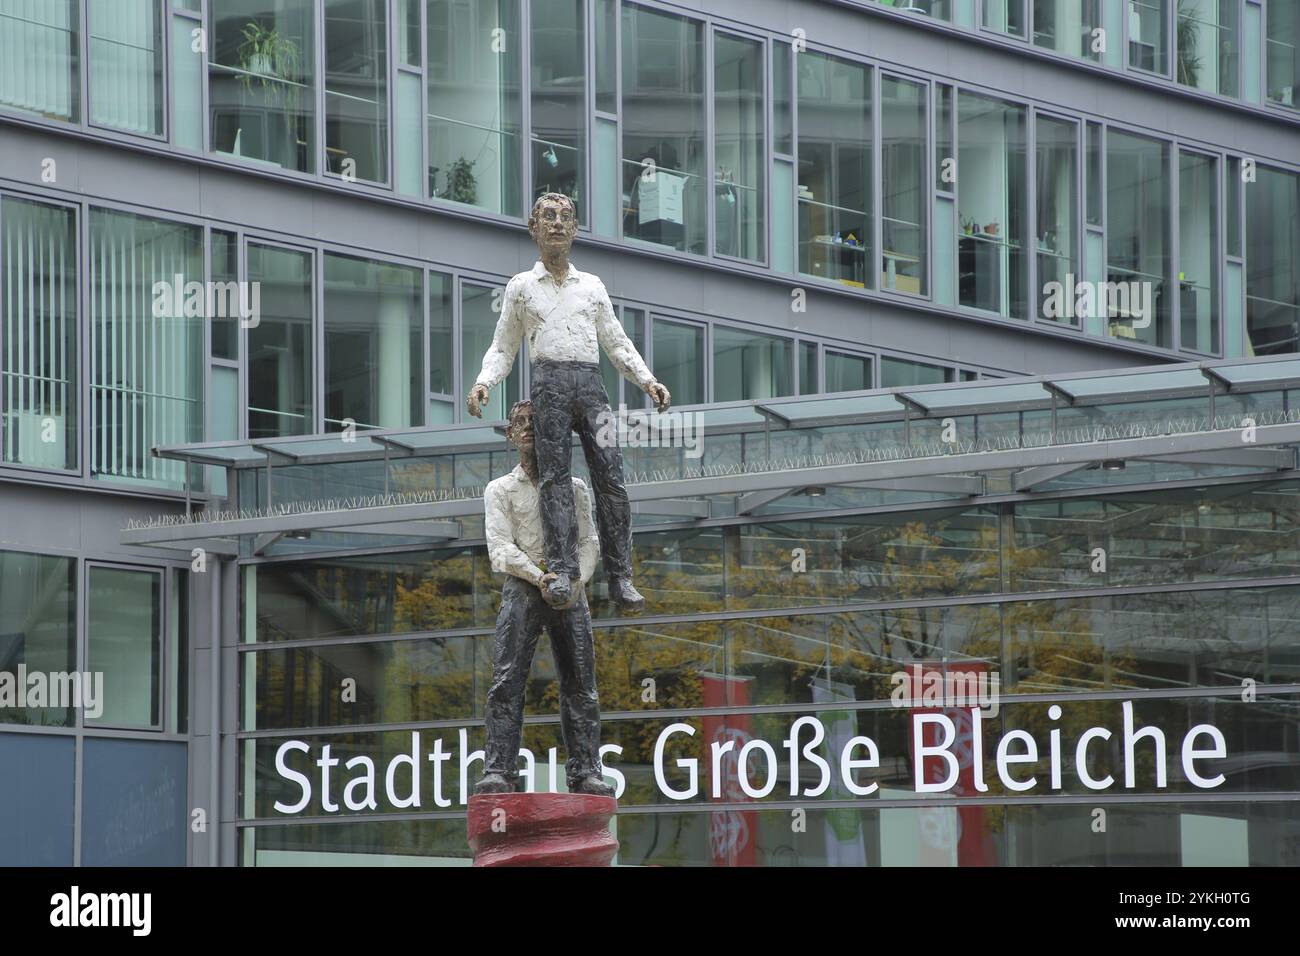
<point x="554" y="225"/>
<point x="520" y="430"/>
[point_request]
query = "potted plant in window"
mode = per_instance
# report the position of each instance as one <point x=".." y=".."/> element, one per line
<point x="461" y="184"/>
<point x="269" y="60"/>
<point x="1189" y="35"/>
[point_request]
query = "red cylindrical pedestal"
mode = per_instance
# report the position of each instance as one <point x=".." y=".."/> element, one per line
<point x="541" y="829"/>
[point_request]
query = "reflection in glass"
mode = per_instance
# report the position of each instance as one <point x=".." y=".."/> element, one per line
<point x="679" y="360"/>
<point x="374" y="338"/>
<point x="474" y="103"/>
<point x="1005" y="16"/>
<point x="808" y="384"/>
<point x="1206" y="37"/>
<point x="846" y="372"/>
<point x="747" y="365"/>
<point x="1147" y="40"/>
<point x="834" y="148"/>
<point x="1282" y="54"/>
<point x="280" y="345"/>
<point x="903" y="178"/>
<point x="664" y="161"/>
<point x="1273" y="262"/>
<point x="479" y="322"/>
<point x="1137" y="236"/>
<point x="146" y="345"/>
<point x="1067" y="26"/>
<point x="739" y="150"/>
<point x="123" y="641"/>
<point x="38" y="349"/>
<point x="559" y="101"/>
<point x="992" y="260"/>
<point x="224" y="252"/>
<point x="262" y="81"/>
<point x="125" y="65"/>
<point x="1198" y="252"/>
<point x="618" y="392"/>
<point x="356" y="89"/>
<point x="441" y="360"/>
<point x="38" y="626"/>
<point x="895" y="372"/>
<point x="1058" y="222"/>
<point x="39" y="43"/>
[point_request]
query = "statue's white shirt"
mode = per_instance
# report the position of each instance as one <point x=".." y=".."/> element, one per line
<point x="569" y="321"/>
<point x="513" y="527"/>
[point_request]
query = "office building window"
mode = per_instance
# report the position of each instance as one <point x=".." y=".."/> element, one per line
<point x="808" y="379"/>
<point x="897" y="372"/>
<point x="1198" y="252"/>
<point x="1095" y="200"/>
<point x="678" y="360"/>
<point x="126" y="65"/>
<point x="1282" y="53"/>
<point x="474" y="103"/>
<point x="834" y="168"/>
<point x="1273" y="263"/>
<point x="38" y="341"/>
<point x="750" y="366"/>
<point x="479" y="323"/>
<point x="224" y="253"/>
<point x="1057" y="178"/>
<point x="280" y="345"/>
<point x="846" y="372"/>
<point x="124" y="643"/>
<point x="992" y="259"/>
<point x="903" y="127"/>
<point x="559" y="104"/>
<point x="38" y="626"/>
<point x="1137" y="238"/>
<point x="740" y="153"/>
<point x="939" y="9"/>
<point x="147" y="307"/>
<point x="261" y="81"/>
<point x="617" y="388"/>
<point x="1148" y="48"/>
<point x="1005" y="16"/>
<point x="782" y="96"/>
<point x="944" y="174"/>
<point x="39" y="57"/>
<point x="606" y="55"/>
<point x="1208" y="46"/>
<point x="664" y="153"/>
<point x="356" y="89"/>
<point x="1067" y="26"/>
<point x="441" y="362"/>
<point x="374" y="341"/>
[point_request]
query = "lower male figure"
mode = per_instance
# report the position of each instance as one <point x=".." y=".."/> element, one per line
<point x="513" y="528"/>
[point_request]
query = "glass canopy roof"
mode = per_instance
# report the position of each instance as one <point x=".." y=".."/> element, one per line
<point x="883" y="448"/>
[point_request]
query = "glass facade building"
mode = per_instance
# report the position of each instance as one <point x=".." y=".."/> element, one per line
<point x="251" y="255"/>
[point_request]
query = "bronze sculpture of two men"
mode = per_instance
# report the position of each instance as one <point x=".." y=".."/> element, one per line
<point x="538" y="519"/>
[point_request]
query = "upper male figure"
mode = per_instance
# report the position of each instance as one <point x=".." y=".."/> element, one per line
<point x="567" y="319"/>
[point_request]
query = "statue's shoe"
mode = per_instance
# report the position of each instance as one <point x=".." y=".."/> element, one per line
<point x="627" y="598"/>
<point x="593" y="785"/>
<point x="493" y="783"/>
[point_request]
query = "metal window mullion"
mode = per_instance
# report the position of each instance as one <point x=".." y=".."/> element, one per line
<point x="876" y="203"/>
<point x="1173" y="222"/>
<point x="710" y="38"/>
<point x="1030" y="243"/>
<point x="525" y="63"/>
<point x="316" y="415"/>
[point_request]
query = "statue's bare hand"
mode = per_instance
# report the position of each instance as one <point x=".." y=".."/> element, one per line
<point x="660" y="395"/>
<point x="478" y="396"/>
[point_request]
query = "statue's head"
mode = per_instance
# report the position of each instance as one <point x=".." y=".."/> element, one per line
<point x="519" y="428"/>
<point x="553" y="222"/>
